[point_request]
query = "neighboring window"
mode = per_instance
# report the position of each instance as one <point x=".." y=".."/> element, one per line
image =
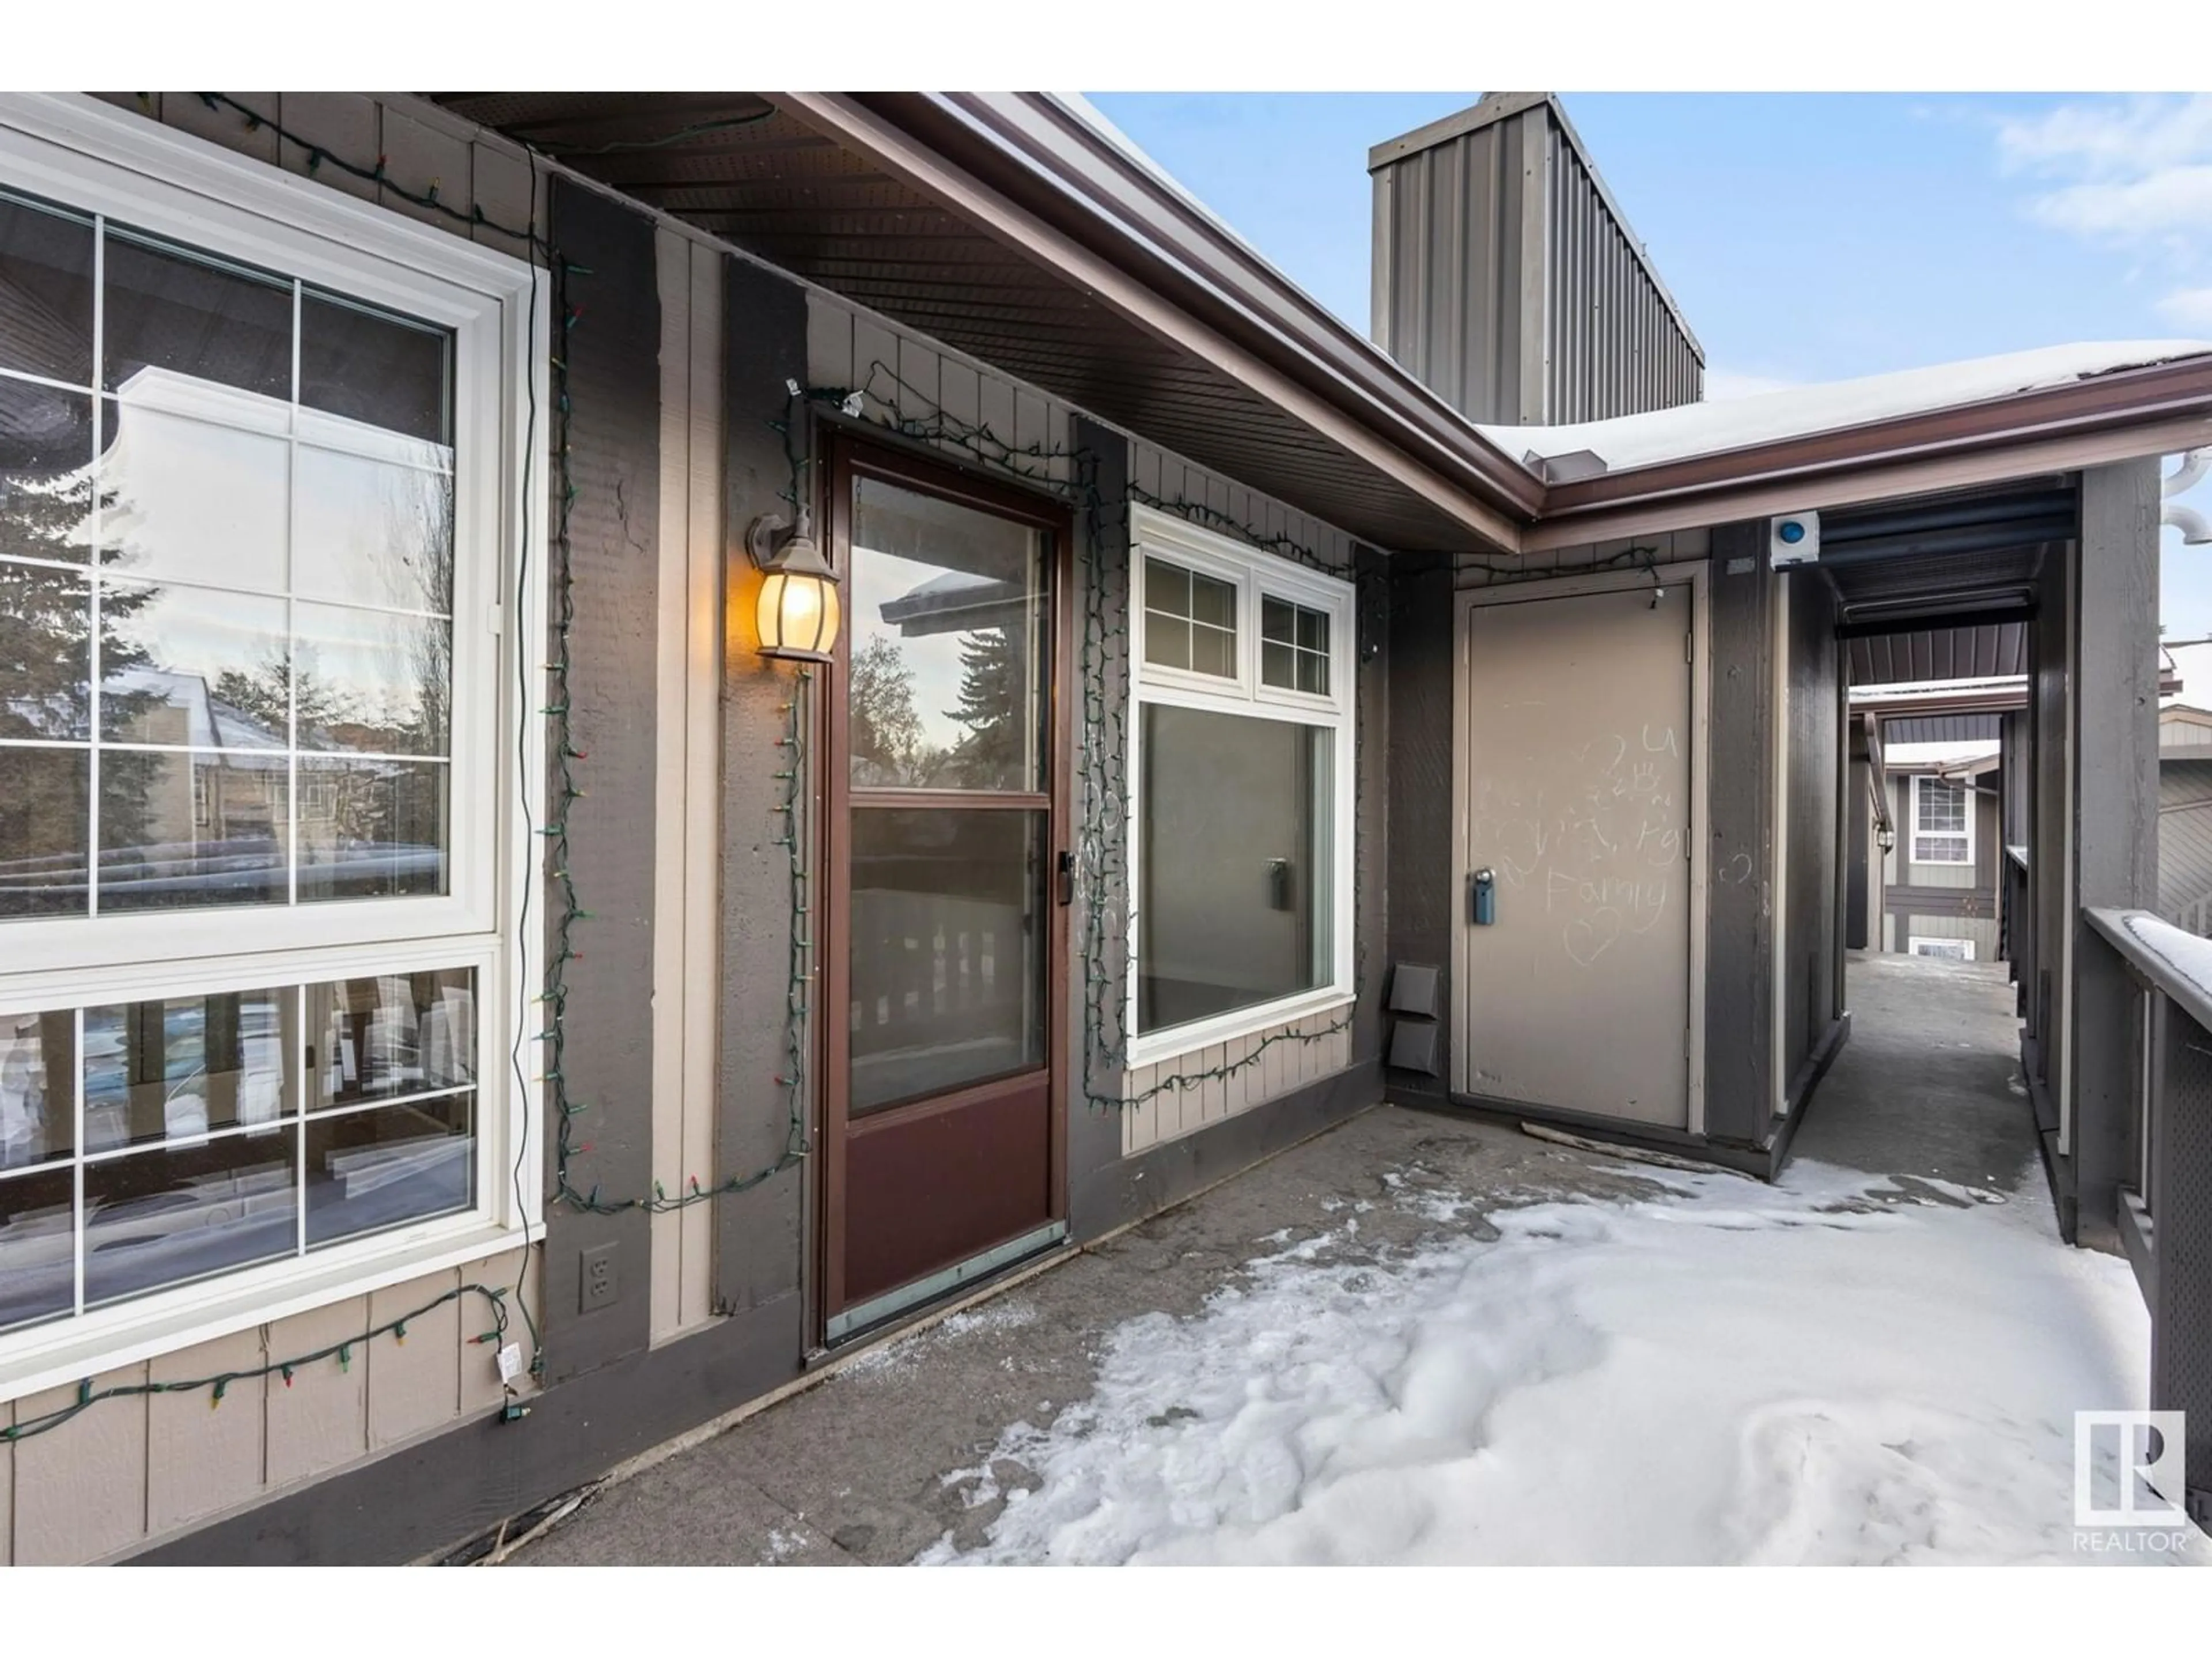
<point x="240" y="508"/>
<point x="1190" y="620"/>
<point x="1956" y="950"/>
<point x="1242" y="790"/>
<point x="1942" y="819"/>
<point x="1293" y="646"/>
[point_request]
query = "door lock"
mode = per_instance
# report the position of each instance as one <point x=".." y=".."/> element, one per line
<point x="1482" y="897"/>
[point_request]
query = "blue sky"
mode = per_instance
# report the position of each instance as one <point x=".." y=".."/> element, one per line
<point x="1806" y="237"/>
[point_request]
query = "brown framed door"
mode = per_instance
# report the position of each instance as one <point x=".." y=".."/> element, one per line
<point x="945" y="956"/>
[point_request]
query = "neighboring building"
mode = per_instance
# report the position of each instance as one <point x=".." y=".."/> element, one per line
<point x="611" y="1021"/>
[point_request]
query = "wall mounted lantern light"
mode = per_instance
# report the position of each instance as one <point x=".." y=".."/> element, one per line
<point x="1884" y="837"/>
<point x="797" y="609"/>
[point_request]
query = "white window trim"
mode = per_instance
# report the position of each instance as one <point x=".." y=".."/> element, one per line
<point x="1916" y="834"/>
<point x="1914" y="941"/>
<point x="1254" y="572"/>
<point x="73" y="149"/>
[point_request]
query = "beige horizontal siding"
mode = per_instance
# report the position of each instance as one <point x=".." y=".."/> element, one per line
<point x="1257" y="1068"/>
<point x="126" y="1472"/>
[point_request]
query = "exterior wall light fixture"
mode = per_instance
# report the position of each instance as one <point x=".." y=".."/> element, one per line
<point x="797" y="609"/>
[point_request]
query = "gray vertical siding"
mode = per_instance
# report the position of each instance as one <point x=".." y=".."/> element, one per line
<point x="1505" y="279"/>
<point x="2184" y="843"/>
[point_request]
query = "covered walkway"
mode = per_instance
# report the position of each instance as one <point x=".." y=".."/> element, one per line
<point x="1928" y="1085"/>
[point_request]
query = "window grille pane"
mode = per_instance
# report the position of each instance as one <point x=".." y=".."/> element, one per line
<point x="368" y="365"/>
<point x="373" y="533"/>
<point x="45" y="274"/>
<point x="45" y="653"/>
<point x="370" y="1171"/>
<point x="371" y="681"/>
<point x="160" y="1218"/>
<point x="193" y="500"/>
<point x="1234" y="892"/>
<point x="46" y="471"/>
<point x="38" y="1083"/>
<point x="1278" y="620"/>
<point x="180" y="829"/>
<point x="38" y="1246"/>
<point x="178" y="1069"/>
<point x="1190" y="620"/>
<point x="171" y="313"/>
<point x="194" y="667"/>
<point x="389" y="1035"/>
<point x="371" y="829"/>
<point x="45" y="818"/>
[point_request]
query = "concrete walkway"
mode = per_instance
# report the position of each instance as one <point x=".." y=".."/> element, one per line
<point x="887" y="1456"/>
<point x="1929" y="1083"/>
<point x="855" y="1470"/>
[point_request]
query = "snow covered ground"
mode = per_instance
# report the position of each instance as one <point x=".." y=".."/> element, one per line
<point x="1830" y="1370"/>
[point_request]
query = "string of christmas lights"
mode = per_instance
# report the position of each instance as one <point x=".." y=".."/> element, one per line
<point x="87" y="1396"/>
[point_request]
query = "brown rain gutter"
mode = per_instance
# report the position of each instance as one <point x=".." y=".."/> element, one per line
<point x="2130" y="412"/>
<point x="1172" y="286"/>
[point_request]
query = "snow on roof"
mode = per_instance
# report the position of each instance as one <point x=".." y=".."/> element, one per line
<point x="1937" y="690"/>
<point x="1937" y="756"/>
<point x="1673" y="434"/>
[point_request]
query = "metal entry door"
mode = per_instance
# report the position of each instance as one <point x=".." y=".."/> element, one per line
<point x="1575" y="777"/>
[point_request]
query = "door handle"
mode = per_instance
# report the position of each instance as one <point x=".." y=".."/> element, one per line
<point x="1482" y="897"/>
<point x="1279" y="884"/>
<point x="1064" y="879"/>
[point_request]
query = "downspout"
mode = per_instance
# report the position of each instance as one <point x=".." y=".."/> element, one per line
<point x="2195" y="531"/>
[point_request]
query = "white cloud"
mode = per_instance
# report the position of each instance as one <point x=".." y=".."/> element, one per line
<point x="2126" y="173"/>
<point x="2187" y="308"/>
<point x="2175" y="198"/>
<point x="1722" y="384"/>
<point x="2122" y="137"/>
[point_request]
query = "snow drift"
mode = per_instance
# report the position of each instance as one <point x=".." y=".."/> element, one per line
<point x="1816" y="1372"/>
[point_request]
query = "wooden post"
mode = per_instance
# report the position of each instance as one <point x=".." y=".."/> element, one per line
<point x="2114" y="822"/>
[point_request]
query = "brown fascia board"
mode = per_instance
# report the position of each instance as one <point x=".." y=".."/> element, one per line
<point x="1044" y="181"/>
<point x="1050" y="183"/>
<point x="2081" y="410"/>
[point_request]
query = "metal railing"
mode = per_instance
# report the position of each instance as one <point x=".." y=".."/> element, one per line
<point x="2164" y="1208"/>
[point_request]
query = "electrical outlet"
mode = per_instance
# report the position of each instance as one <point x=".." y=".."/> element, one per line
<point x="598" y="1283"/>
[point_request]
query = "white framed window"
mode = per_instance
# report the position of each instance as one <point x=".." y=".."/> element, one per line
<point x="1240" y="792"/>
<point x="1954" y="950"/>
<point x="262" y="814"/>
<point x="1943" y="822"/>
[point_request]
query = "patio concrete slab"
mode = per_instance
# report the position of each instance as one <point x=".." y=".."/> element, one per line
<point x="888" y="1455"/>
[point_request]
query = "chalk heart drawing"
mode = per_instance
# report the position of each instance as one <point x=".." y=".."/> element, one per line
<point x="1589" y="937"/>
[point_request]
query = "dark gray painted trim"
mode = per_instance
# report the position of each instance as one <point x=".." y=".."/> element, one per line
<point x="609" y="268"/>
<point x="1420" y="781"/>
<point x="1134" y="1188"/>
<point x="440" y="1491"/>
<point x="761" y="1237"/>
<point x="2116" y="755"/>
<point x="1094" y="1133"/>
<point x="1739" y="953"/>
<point x="1804" y="1086"/>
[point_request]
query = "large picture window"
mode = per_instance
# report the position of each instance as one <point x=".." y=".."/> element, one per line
<point x="1943" y="822"/>
<point x="1241" y="789"/>
<point x="259" y="794"/>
